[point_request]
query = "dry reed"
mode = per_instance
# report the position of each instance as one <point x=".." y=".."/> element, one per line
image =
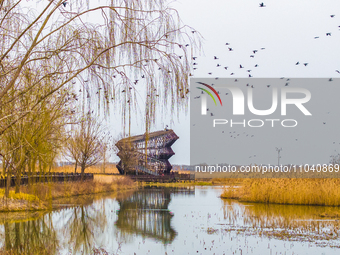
<point x="287" y="191"/>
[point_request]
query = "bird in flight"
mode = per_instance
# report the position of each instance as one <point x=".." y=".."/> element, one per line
<point x="328" y="34"/>
<point x="332" y="16"/>
<point x="262" y="5"/>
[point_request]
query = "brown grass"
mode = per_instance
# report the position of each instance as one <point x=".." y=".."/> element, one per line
<point x="97" y="169"/>
<point x="287" y="191"/>
<point x="101" y="184"/>
<point x="46" y="192"/>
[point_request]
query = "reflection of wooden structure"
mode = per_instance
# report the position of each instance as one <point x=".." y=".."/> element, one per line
<point x="146" y="213"/>
<point x="147" y="154"/>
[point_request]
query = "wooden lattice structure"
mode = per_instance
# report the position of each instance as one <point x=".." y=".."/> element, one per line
<point x="146" y="153"/>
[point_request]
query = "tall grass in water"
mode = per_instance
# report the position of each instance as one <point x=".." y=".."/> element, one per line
<point x="288" y="191"/>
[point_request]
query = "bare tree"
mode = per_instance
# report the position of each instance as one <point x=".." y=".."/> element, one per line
<point x="107" y="48"/>
<point x="86" y="144"/>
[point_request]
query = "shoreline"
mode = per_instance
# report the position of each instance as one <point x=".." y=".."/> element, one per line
<point x="40" y="196"/>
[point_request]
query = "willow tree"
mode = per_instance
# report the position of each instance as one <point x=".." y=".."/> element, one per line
<point x="34" y="139"/>
<point x="106" y="48"/>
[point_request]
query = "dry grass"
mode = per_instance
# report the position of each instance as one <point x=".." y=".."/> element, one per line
<point x="226" y="181"/>
<point x="46" y="251"/>
<point x="58" y="190"/>
<point x="38" y="195"/>
<point x="288" y="191"/>
<point x="97" y="169"/>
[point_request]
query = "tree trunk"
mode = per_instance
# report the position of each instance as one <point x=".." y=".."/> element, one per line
<point x="29" y="173"/>
<point x="17" y="181"/>
<point x="82" y="171"/>
<point x="75" y="168"/>
<point x="8" y="182"/>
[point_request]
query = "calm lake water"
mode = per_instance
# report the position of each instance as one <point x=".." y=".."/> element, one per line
<point x="173" y="221"/>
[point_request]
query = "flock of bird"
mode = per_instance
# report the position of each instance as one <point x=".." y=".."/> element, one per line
<point x="230" y="71"/>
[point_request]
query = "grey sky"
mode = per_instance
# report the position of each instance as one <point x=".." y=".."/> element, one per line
<point x="286" y="29"/>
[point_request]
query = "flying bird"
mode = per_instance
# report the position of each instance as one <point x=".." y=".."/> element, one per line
<point x="262" y="5"/>
<point x="328" y="34"/>
<point x="215" y="57"/>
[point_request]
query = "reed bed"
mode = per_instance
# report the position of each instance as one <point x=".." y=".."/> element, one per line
<point x="324" y="192"/>
<point x="97" y="169"/>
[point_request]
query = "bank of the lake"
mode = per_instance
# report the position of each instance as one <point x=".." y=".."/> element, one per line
<point x="162" y="220"/>
<point x="40" y="196"/>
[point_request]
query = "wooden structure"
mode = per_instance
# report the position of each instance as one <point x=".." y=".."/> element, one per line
<point x="146" y="153"/>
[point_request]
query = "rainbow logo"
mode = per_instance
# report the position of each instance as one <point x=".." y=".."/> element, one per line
<point x="208" y="92"/>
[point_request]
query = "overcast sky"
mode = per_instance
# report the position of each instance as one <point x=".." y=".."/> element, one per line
<point x="286" y="29"/>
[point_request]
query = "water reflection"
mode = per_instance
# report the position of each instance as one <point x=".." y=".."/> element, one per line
<point x="285" y="222"/>
<point x="81" y="227"/>
<point x="30" y="237"/>
<point x="201" y="222"/>
<point x="146" y="213"/>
